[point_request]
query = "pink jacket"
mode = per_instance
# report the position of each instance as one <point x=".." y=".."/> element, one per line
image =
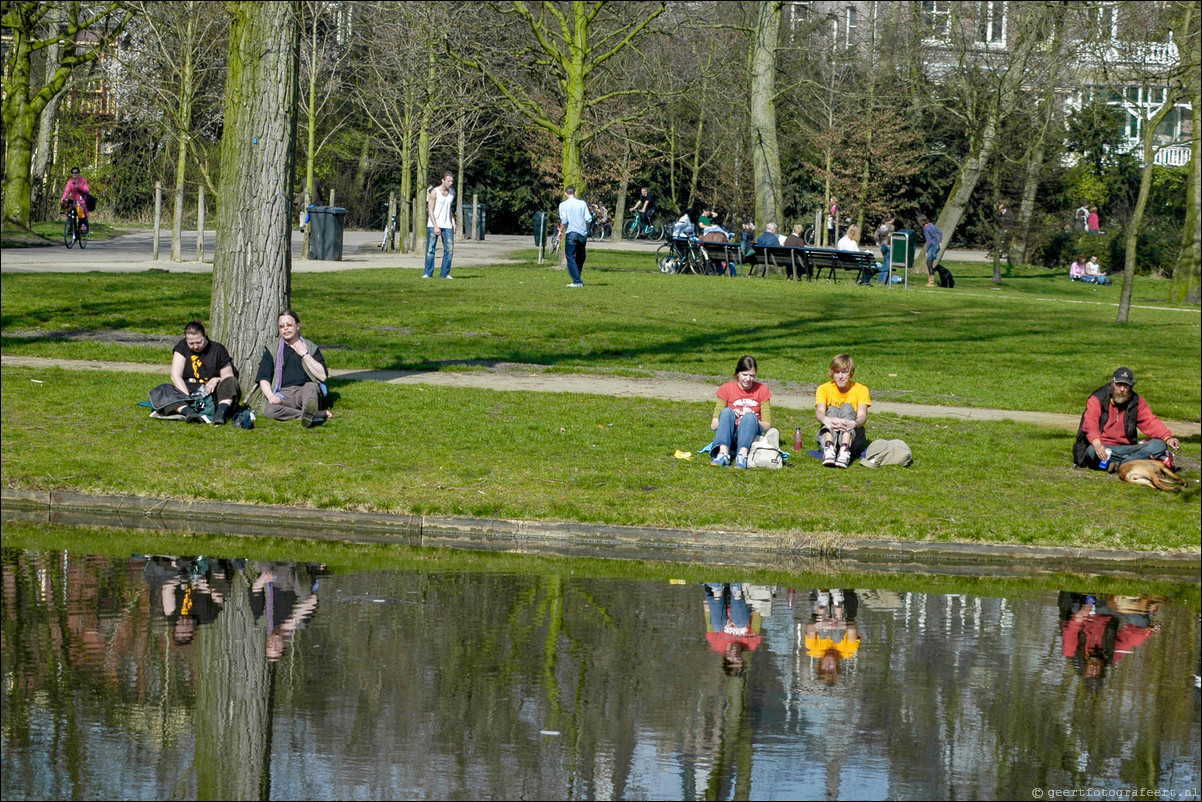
<point x="76" y="189"/>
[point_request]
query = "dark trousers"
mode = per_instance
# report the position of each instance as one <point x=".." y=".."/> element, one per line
<point x="574" y="251"/>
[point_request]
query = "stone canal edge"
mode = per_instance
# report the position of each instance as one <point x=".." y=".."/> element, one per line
<point x="747" y="550"/>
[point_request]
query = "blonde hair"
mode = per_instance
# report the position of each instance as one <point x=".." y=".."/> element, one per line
<point x="853" y="233"/>
<point x="843" y="362"/>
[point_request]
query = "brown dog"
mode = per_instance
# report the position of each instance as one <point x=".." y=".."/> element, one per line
<point x="1151" y="473"/>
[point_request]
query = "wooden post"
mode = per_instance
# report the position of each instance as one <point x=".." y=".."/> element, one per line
<point x="332" y="203"/>
<point x="158" y="215"/>
<point x="200" y="224"/>
<point x="391" y="246"/>
<point x="475" y="212"/>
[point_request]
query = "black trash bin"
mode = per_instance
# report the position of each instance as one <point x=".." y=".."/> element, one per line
<point x="325" y="236"/>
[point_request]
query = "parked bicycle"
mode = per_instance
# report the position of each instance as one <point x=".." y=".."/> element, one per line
<point x="679" y="255"/>
<point x="388" y="243"/>
<point x="75" y="227"/>
<point x="600" y="228"/>
<point x="640" y="227"/>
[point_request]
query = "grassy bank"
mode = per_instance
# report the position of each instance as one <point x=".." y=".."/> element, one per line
<point x="1037" y="343"/>
<point x="481" y="453"/>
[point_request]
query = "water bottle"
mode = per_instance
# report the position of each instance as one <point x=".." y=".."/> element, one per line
<point x="797" y="440"/>
<point x="1104" y="463"/>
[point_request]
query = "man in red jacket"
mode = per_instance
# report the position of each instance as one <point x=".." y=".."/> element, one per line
<point x="1113" y="419"/>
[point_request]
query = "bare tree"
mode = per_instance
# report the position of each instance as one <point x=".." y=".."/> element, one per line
<point x="548" y="67"/>
<point x="86" y="31"/>
<point x="170" y="60"/>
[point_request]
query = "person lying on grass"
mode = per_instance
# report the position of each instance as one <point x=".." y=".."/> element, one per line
<point x="741" y="414"/>
<point x="841" y="407"/>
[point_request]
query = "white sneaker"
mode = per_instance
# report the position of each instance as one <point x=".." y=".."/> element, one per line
<point x="837" y="597"/>
<point x="824" y="600"/>
<point x="448" y="278"/>
<point x="844" y="458"/>
<point x="425" y="276"/>
<point x="828" y="455"/>
<point x="576" y="284"/>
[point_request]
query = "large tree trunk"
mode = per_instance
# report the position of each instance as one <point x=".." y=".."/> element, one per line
<point x="252" y="265"/>
<point x="765" y="155"/>
<point x="41" y="191"/>
<point x="421" y="218"/>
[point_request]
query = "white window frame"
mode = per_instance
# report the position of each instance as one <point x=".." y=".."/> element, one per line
<point x="849" y="28"/>
<point x="991" y="17"/>
<point x="936" y="18"/>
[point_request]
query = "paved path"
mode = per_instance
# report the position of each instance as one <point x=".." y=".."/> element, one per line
<point x="521" y="379"/>
<point x="132" y="253"/>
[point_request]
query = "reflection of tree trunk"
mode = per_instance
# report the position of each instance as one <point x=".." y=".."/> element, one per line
<point x="734" y="753"/>
<point x="554" y="604"/>
<point x="233" y="702"/>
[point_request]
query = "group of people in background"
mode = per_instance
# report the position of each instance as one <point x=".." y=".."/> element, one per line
<point x="1090" y="272"/>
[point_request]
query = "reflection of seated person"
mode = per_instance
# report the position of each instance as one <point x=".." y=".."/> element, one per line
<point x="831" y="635"/>
<point x="287" y="601"/>
<point x="188" y="593"/>
<point x="732" y="627"/>
<point x="1095" y="636"/>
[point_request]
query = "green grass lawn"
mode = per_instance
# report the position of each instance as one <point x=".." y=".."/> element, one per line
<point x="481" y="453"/>
<point x="1039" y="342"/>
<point x="52" y="230"/>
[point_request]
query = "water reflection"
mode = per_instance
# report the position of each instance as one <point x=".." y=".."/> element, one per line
<point x="234" y="679"/>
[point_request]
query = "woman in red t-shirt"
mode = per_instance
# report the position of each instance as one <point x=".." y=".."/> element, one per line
<point x="741" y="414"/>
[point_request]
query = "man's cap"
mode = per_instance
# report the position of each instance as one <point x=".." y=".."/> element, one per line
<point x="1124" y="376"/>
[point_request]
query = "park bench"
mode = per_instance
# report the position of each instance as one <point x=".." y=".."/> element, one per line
<point x="715" y="254"/>
<point x="790" y="260"/>
<point x="860" y="262"/>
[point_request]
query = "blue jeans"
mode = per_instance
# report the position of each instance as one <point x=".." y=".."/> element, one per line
<point x="1152" y="449"/>
<point x="448" y="249"/>
<point x="573" y="250"/>
<point x="932" y="255"/>
<point x="715" y="599"/>
<point x="740" y="433"/>
<point x="883" y="276"/>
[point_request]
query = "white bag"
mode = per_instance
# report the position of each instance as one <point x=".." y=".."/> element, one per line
<point x="765" y="451"/>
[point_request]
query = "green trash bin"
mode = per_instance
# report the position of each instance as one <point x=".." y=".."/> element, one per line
<point x="325" y="236"/>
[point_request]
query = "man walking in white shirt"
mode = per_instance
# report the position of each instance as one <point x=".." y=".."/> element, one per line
<point x="439" y="203"/>
<point x="574" y="215"/>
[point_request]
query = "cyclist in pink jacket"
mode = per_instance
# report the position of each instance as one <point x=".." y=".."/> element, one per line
<point x="76" y="192"/>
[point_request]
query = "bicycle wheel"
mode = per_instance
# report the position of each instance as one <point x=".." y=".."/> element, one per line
<point x="83" y="229"/>
<point x="658" y="233"/>
<point x="808" y="236"/>
<point x="632" y="229"/>
<point x="69" y="231"/>
<point x="554" y="246"/>
<point x="666" y="259"/>
<point x="607" y="232"/>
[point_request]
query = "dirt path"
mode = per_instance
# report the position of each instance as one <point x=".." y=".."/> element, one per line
<point x="529" y="378"/>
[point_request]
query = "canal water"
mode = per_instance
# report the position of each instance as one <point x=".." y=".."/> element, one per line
<point x="180" y="677"/>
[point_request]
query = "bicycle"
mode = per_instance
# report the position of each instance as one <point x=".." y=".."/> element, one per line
<point x="75" y="227"/>
<point x="600" y="228"/>
<point x="389" y="240"/>
<point x="553" y="242"/>
<point x="679" y="255"/>
<point x="640" y="226"/>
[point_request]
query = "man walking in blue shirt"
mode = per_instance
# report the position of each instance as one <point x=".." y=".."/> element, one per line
<point x="574" y="215"/>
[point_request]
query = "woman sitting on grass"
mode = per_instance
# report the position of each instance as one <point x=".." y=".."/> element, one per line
<point x="741" y="414"/>
<point x="1076" y="271"/>
<point x="1094" y="273"/>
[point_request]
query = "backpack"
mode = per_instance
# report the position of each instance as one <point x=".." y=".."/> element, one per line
<point x="887" y="452"/>
<point x="765" y="451"/>
<point x="89" y="201"/>
<point x="945" y="277"/>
